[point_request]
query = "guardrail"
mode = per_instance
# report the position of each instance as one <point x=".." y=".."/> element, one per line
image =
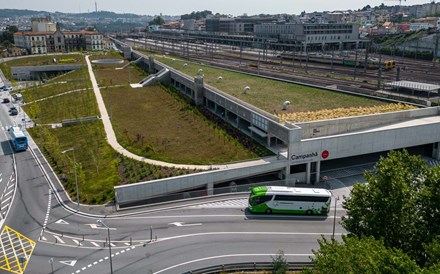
<point x="255" y="266"/>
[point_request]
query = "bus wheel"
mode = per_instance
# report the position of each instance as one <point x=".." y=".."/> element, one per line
<point x="268" y="211"/>
<point x="309" y="212"/>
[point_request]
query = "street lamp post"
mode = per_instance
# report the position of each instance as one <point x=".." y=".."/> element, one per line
<point x="74" y="171"/>
<point x="109" y="244"/>
<point x="334" y="218"/>
<point x="51" y="264"/>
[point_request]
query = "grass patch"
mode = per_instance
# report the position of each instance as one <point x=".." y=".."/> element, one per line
<point x="106" y="75"/>
<point x="74" y="80"/>
<point x="155" y="123"/>
<point x="267" y="94"/>
<point x="99" y="167"/>
<point x="68" y="106"/>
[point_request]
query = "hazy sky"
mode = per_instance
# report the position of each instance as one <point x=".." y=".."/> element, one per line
<point x="178" y="7"/>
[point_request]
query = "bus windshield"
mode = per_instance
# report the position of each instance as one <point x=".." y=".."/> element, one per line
<point x="256" y="200"/>
<point x="20" y="139"/>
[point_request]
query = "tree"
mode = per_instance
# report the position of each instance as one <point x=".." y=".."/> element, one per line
<point x="360" y="255"/>
<point x="8" y="34"/>
<point x="367" y="7"/>
<point x="157" y="21"/>
<point x="386" y="206"/>
<point x="196" y="15"/>
<point x="279" y="263"/>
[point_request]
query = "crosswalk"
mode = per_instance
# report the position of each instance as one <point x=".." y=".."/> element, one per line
<point x="232" y="203"/>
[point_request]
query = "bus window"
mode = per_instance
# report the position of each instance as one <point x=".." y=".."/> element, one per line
<point x="259" y="200"/>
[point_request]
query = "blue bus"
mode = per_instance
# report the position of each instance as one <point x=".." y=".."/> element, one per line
<point x="18" y="138"/>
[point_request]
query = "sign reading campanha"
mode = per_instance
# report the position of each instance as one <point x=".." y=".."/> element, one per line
<point x="302" y="157"/>
<point x="309" y="156"/>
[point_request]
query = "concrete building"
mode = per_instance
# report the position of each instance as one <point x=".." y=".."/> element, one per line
<point x="43" y="24"/>
<point x="58" y="41"/>
<point x="46" y="37"/>
<point x="311" y="34"/>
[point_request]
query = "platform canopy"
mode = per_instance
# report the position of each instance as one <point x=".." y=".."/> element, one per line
<point x="414" y="86"/>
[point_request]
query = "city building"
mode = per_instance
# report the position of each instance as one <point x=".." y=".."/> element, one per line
<point x="321" y="35"/>
<point x="44" y="38"/>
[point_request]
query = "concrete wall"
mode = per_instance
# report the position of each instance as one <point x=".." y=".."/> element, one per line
<point x="429" y="43"/>
<point x="346" y="125"/>
<point x="30" y="72"/>
<point x="144" y="190"/>
<point x="360" y="143"/>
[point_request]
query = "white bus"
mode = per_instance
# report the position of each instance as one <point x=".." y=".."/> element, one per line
<point x="279" y="199"/>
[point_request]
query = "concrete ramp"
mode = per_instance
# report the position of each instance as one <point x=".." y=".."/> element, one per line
<point x="132" y="62"/>
<point x="154" y="78"/>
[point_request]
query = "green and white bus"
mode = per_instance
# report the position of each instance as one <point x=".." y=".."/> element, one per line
<point x="280" y="199"/>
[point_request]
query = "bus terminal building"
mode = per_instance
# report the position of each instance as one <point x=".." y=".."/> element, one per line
<point x="307" y="147"/>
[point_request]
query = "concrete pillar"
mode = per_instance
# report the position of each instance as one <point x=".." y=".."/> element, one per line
<point x="210" y="188"/>
<point x="288" y="176"/>
<point x="341" y="46"/>
<point x="308" y="169"/>
<point x="127" y="52"/>
<point x="199" y="90"/>
<point x="318" y="171"/>
<point x="151" y="69"/>
<point x="436" y="151"/>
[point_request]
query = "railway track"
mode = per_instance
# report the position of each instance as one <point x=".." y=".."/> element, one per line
<point x="310" y="72"/>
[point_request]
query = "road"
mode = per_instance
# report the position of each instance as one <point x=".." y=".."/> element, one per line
<point x="43" y="229"/>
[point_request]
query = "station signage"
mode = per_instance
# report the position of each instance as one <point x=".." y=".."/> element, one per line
<point x="308" y="156"/>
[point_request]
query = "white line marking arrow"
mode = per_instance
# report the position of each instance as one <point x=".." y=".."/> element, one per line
<point x="95" y="226"/>
<point x="70" y="263"/>
<point x="61" y="222"/>
<point x="183" y="224"/>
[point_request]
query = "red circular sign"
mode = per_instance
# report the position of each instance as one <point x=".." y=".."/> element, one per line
<point x="325" y="154"/>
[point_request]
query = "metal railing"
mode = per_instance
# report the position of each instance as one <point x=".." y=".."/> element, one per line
<point x="253" y="266"/>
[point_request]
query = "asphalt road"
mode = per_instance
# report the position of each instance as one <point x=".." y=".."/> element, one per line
<point x="45" y="231"/>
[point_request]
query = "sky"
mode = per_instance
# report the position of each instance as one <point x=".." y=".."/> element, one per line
<point x="179" y="7"/>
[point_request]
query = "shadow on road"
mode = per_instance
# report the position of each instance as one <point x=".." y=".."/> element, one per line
<point x="283" y="217"/>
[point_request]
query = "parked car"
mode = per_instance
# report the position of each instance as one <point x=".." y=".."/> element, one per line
<point x="13" y="110"/>
<point x="8" y="89"/>
<point x="6" y="100"/>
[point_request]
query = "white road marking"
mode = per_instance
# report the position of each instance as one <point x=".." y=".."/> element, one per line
<point x="5" y="200"/>
<point x="70" y="263"/>
<point x="95" y="244"/>
<point x="183" y="224"/>
<point x="61" y="222"/>
<point x="95" y="226"/>
<point x="59" y="239"/>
